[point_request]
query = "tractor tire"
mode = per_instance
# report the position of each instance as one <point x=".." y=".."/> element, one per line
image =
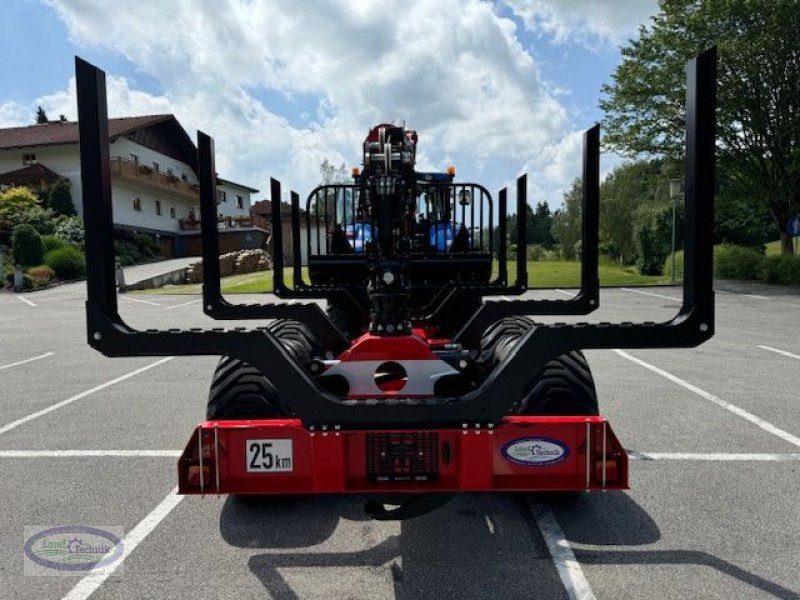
<point x="563" y="387"/>
<point x="240" y="391"/>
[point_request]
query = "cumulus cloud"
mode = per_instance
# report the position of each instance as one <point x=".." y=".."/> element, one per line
<point x="453" y="69"/>
<point x="585" y="21"/>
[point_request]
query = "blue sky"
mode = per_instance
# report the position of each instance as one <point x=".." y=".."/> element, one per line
<point x="496" y="88"/>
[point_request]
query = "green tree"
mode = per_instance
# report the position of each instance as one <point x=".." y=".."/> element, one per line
<point x="60" y="199"/>
<point x="41" y="116"/>
<point x="758" y="113"/>
<point x="19" y="205"/>
<point x="27" y="246"/>
<point x="542" y="224"/>
<point x="567" y="222"/>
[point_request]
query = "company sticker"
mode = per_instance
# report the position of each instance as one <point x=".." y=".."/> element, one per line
<point x="535" y="452"/>
<point x="71" y="549"/>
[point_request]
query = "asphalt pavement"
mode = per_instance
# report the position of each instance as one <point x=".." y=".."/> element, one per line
<point x="713" y="510"/>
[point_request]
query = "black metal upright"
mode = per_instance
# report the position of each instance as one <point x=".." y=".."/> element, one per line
<point x="96" y="185"/>
<point x="522" y="232"/>
<point x="590" y="213"/>
<point x="502" y="243"/>
<point x="701" y="77"/>
<point x="297" y="258"/>
<point x="277" y="237"/>
<point x="207" y="177"/>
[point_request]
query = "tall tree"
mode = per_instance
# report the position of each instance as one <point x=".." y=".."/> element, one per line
<point x="566" y="227"/>
<point x="41" y="116"/>
<point x="758" y="113"/>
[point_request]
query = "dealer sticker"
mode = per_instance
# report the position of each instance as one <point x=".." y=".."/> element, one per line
<point x="269" y="456"/>
<point x="535" y="452"/>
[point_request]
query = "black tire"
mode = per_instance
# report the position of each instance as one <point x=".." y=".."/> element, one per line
<point x="563" y="387"/>
<point x="240" y="391"/>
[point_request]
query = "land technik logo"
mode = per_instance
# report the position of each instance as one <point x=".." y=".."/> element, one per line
<point x="71" y="549"/>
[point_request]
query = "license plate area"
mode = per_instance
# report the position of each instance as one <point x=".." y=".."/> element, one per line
<point x="402" y="456"/>
<point x="269" y="456"/>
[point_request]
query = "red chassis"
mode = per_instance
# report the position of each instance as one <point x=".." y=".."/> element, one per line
<point x="280" y="456"/>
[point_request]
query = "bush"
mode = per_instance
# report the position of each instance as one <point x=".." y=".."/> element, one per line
<point x="146" y="244"/>
<point x="68" y="262"/>
<point x="27" y="244"/>
<point x="52" y="242"/>
<point x="736" y="262"/>
<point x="127" y="253"/>
<point x="42" y="275"/>
<point x="652" y="236"/>
<point x="780" y="269"/>
<point x="60" y="200"/>
<point x="70" y="229"/>
<point x="27" y="280"/>
<point x="678" y="265"/>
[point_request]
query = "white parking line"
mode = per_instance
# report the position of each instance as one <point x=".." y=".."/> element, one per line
<point x="27" y="360"/>
<point x="567" y="566"/>
<point x="765" y="425"/>
<point x="183" y="304"/>
<point x="778" y="351"/>
<point x="140" y="301"/>
<point x="651" y="294"/>
<point x="89" y="584"/>
<point x="565" y="292"/>
<point x="87" y="453"/>
<point x="756" y="296"/>
<point x="721" y="456"/>
<point x="57" y="405"/>
<point x="25" y="300"/>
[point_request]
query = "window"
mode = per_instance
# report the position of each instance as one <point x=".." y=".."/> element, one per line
<point x="172" y="212"/>
<point x="158" y="207"/>
<point x="155" y="166"/>
<point x="135" y="159"/>
<point x="170" y="172"/>
<point x="223" y="197"/>
<point x="137" y="203"/>
<point x="239" y="202"/>
<point x="29" y="158"/>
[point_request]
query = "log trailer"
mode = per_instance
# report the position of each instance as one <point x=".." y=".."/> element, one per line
<point x="414" y="383"/>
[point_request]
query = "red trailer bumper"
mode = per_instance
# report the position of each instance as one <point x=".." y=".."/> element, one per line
<point x="520" y="454"/>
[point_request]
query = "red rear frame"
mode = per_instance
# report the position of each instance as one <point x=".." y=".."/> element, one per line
<point x="519" y="454"/>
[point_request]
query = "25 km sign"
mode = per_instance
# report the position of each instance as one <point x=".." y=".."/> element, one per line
<point x="269" y="456"/>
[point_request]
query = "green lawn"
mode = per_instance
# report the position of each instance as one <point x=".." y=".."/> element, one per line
<point x="541" y="274"/>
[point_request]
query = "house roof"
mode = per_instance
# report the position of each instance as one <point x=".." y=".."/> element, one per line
<point x="161" y="133"/>
<point x="35" y="173"/>
<point x="264" y="208"/>
<point x="222" y="181"/>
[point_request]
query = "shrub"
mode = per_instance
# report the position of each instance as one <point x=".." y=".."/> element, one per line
<point x="678" y="265"/>
<point x="60" y="200"/>
<point x="27" y="244"/>
<point x="52" y="242"/>
<point x="736" y="262"/>
<point x="652" y="236"/>
<point x="27" y="280"/>
<point x="127" y="253"/>
<point x="146" y="244"/>
<point x="780" y="269"/>
<point x="70" y="229"/>
<point x="68" y="262"/>
<point x="42" y="275"/>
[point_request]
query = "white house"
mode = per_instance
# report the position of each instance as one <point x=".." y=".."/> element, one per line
<point x="153" y="178"/>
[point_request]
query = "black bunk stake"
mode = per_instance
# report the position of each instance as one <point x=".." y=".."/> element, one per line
<point x="502" y="243"/>
<point x="590" y="217"/>
<point x="701" y="77"/>
<point x="522" y="226"/>
<point x="277" y="237"/>
<point x="296" y="255"/>
<point x="207" y="176"/>
<point x="96" y="186"/>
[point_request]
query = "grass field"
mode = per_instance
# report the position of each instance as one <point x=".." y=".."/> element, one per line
<point x="541" y="274"/>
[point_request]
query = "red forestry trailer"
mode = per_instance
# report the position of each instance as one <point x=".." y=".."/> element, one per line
<point x="413" y="384"/>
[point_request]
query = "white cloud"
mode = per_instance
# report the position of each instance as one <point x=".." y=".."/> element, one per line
<point x="454" y="70"/>
<point x="585" y="21"/>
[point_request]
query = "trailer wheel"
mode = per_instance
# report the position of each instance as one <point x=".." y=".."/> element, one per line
<point x="241" y="391"/>
<point x="563" y="387"/>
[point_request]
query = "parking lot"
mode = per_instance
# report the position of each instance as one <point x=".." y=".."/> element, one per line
<point x="713" y="510"/>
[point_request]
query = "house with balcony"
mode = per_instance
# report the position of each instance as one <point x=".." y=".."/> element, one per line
<point x="154" y="182"/>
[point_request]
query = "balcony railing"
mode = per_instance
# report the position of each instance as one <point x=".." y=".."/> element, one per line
<point x="147" y="176"/>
